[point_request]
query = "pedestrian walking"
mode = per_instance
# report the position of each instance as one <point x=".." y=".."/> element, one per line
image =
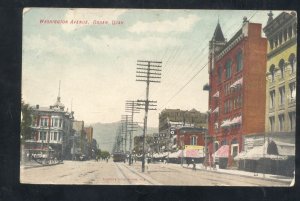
<point x="194" y="165"/>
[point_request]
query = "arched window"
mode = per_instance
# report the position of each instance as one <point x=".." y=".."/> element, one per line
<point x="220" y="70"/>
<point x="272" y="72"/>
<point x="281" y="67"/>
<point x="239" y="60"/>
<point x="228" y="68"/>
<point x="292" y="62"/>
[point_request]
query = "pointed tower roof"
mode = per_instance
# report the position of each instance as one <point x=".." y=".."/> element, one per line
<point x="270" y="19"/>
<point x="218" y="34"/>
<point x="58" y="104"/>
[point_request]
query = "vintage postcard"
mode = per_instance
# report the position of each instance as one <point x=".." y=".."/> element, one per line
<point x="158" y="97"/>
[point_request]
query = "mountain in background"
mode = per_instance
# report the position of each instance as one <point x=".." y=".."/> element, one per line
<point x="105" y="134"/>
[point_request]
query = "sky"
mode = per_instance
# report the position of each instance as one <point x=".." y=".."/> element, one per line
<point x="96" y="63"/>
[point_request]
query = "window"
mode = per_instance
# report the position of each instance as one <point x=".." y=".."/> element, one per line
<point x="281" y="67"/>
<point x="235" y="150"/>
<point x="282" y="95"/>
<point x="220" y="70"/>
<point x="55" y="136"/>
<point x="281" y="122"/>
<point x="292" y="116"/>
<point x="239" y="59"/>
<point x="44" y="122"/>
<point x="293" y="90"/>
<point x="228" y="69"/>
<point x="43" y="136"/>
<point x="272" y="99"/>
<point x="60" y="123"/>
<point x="272" y="123"/>
<point x="292" y="62"/>
<point x="55" y="122"/>
<point x="272" y="72"/>
<point x="193" y="140"/>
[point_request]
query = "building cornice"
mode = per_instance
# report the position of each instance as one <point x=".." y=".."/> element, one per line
<point x="229" y="46"/>
<point x="282" y="48"/>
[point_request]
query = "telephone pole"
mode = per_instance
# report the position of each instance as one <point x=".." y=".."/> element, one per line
<point x="131" y="106"/>
<point x="124" y="121"/>
<point x="147" y="71"/>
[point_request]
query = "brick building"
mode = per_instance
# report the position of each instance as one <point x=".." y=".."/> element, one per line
<point x="51" y="130"/>
<point x="236" y="87"/>
<point x="188" y="136"/>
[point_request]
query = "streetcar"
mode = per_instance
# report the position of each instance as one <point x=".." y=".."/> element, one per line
<point x="119" y="157"/>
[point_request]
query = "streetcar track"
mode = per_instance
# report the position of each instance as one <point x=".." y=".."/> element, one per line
<point x="123" y="174"/>
<point x="139" y="175"/>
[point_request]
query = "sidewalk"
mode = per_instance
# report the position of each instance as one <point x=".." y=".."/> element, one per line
<point x="33" y="164"/>
<point x="271" y="177"/>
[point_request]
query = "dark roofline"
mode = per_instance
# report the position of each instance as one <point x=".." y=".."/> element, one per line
<point x="275" y="20"/>
<point x="236" y="35"/>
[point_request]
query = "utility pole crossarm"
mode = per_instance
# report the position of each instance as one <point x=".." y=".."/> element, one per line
<point x="148" y="73"/>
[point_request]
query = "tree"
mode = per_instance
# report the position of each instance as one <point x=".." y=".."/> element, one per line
<point x="25" y="122"/>
<point x="104" y="154"/>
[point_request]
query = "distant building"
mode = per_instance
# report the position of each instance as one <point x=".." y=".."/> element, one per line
<point x="188" y="136"/>
<point x="89" y="133"/>
<point x="237" y="87"/>
<point x="179" y="118"/>
<point x="80" y="140"/>
<point x="51" y="130"/>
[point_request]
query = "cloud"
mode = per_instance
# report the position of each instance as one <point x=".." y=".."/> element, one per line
<point x="89" y="15"/>
<point x="112" y="44"/>
<point x="181" y="24"/>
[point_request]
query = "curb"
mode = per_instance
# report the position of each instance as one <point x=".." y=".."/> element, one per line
<point x="248" y="176"/>
<point x="37" y="166"/>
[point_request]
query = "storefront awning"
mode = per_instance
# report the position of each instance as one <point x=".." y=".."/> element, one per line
<point x="175" y="154"/>
<point x="216" y="110"/>
<point x="222" y="152"/>
<point x="259" y="152"/>
<point x="225" y="123"/>
<point x="236" y="120"/>
<point x="216" y="95"/>
<point x="237" y="83"/>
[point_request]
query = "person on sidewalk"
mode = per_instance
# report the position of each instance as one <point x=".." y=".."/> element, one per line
<point x="194" y="164"/>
